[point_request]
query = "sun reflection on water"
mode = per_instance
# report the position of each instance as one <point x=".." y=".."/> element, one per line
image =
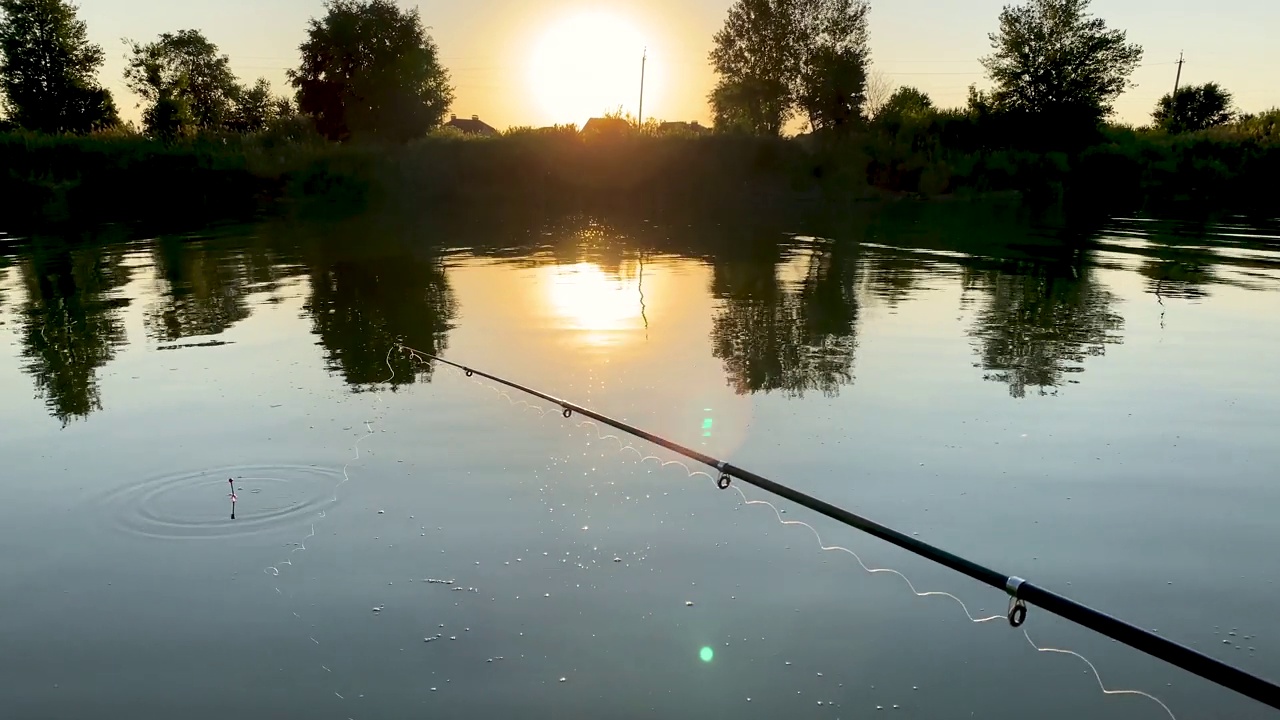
<point x="602" y="307"/>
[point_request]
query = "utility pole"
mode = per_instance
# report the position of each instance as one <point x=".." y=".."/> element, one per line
<point x="643" y="59"/>
<point x="1178" y="80"/>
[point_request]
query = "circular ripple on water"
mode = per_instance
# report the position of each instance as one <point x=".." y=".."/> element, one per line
<point x="196" y="505"/>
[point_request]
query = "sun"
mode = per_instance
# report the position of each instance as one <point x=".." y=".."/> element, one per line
<point x="586" y="64"/>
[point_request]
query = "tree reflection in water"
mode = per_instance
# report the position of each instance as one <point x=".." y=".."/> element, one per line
<point x="71" y="323"/>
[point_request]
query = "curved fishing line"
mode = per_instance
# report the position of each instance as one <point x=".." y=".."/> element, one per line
<point x="1096" y="675"/>
<point x="642" y="458"/>
<point x="873" y="571"/>
<point x="301" y="545"/>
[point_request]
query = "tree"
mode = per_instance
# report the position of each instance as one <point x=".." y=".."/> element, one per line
<point x="832" y="85"/>
<point x="169" y="118"/>
<point x="876" y="93"/>
<point x="756" y="56"/>
<point x="1052" y="60"/>
<point x="833" y="88"/>
<point x="48" y="69"/>
<point x="905" y="102"/>
<point x="183" y="68"/>
<point x="370" y="69"/>
<point x="253" y="108"/>
<point x="779" y="57"/>
<point x="750" y="105"/>
<point x="1193" y="108"/>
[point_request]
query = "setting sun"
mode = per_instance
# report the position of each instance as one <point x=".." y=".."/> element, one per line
<point x="589" y="63"/>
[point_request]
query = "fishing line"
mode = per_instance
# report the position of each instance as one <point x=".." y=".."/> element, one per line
<point x="274" y="571"/>
<point x="972" y="619"/>
<point x="1018" y="589"/>
<point x="642" y="458"/>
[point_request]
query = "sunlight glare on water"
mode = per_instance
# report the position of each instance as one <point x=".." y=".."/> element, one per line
<point x="1093" y="410"/>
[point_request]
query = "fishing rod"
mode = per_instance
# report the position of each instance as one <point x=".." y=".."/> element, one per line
<point x="1020" y="591"/>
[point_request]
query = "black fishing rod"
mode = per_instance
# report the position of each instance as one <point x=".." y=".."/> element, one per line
<point x="1020" y="591"/>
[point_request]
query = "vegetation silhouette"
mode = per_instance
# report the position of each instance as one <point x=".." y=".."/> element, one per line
<point x="1193" y="108"/>
<point x="775" y="58"/>
<point x="48" y="68"/>
<point x="905" y="102"/>
<point x="185" y="83"/>
<point x="1055" y="66"/>
<point x="371" y="93"/>
<point x="71" y="323"/>
<point x="370" y="70"/>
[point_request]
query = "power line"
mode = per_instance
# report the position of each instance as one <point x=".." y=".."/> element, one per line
<point x="931" y="73"/>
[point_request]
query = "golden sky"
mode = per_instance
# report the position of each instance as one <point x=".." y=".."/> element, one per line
<point x="517" y="62"/>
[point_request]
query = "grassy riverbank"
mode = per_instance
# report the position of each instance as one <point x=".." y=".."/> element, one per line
<point x="123" y="177"/>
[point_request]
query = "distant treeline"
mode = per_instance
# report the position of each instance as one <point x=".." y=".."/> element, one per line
<point x="364" y="124"/>
<point x="102" y="178"/>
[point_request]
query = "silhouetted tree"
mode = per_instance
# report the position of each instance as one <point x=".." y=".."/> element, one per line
<point x="777" y="57"/>
<point x="184" y="71"/>
<point x="169" y="117"/>
<point x="876" y="92"/>
<point x="1052" y="60"/>
<point x="72" y="325"/>
<point x="255" y="107"/>
<point x="48" y="69"/>
<point x="905" y="102"/>
<point x="750" y="105"/>
<point x="833" y="88"/>
<point x="370" y="69"/>
<point x="1192" y="108"/>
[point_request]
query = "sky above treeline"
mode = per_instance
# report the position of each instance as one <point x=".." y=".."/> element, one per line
<point x="539" y="62"/>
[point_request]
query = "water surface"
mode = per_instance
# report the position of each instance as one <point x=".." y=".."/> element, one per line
<point x="1093" y="408"/>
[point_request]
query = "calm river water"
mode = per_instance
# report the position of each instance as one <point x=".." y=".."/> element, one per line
<point x="1094" y="409"/>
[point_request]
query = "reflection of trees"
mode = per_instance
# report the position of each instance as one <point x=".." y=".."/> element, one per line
<point x="4" y="282"/>
<point x="362" y="306"/>
<point x="1177" y="279"/>
<point x="71" y="324"/>
<point x="893" y="278"/>
<point x="1038" y="324"/>
<point x="1185" y="260"/>
<point x="206" y="284"/>
<point x="795" y="335"/>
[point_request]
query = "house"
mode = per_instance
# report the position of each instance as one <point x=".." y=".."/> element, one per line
<point x="683" y="128"/>
<point x="474" y="126"/>
<point x="606" y="126"/>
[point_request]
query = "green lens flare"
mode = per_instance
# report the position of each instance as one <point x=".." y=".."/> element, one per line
<point x="706" y="654"/>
